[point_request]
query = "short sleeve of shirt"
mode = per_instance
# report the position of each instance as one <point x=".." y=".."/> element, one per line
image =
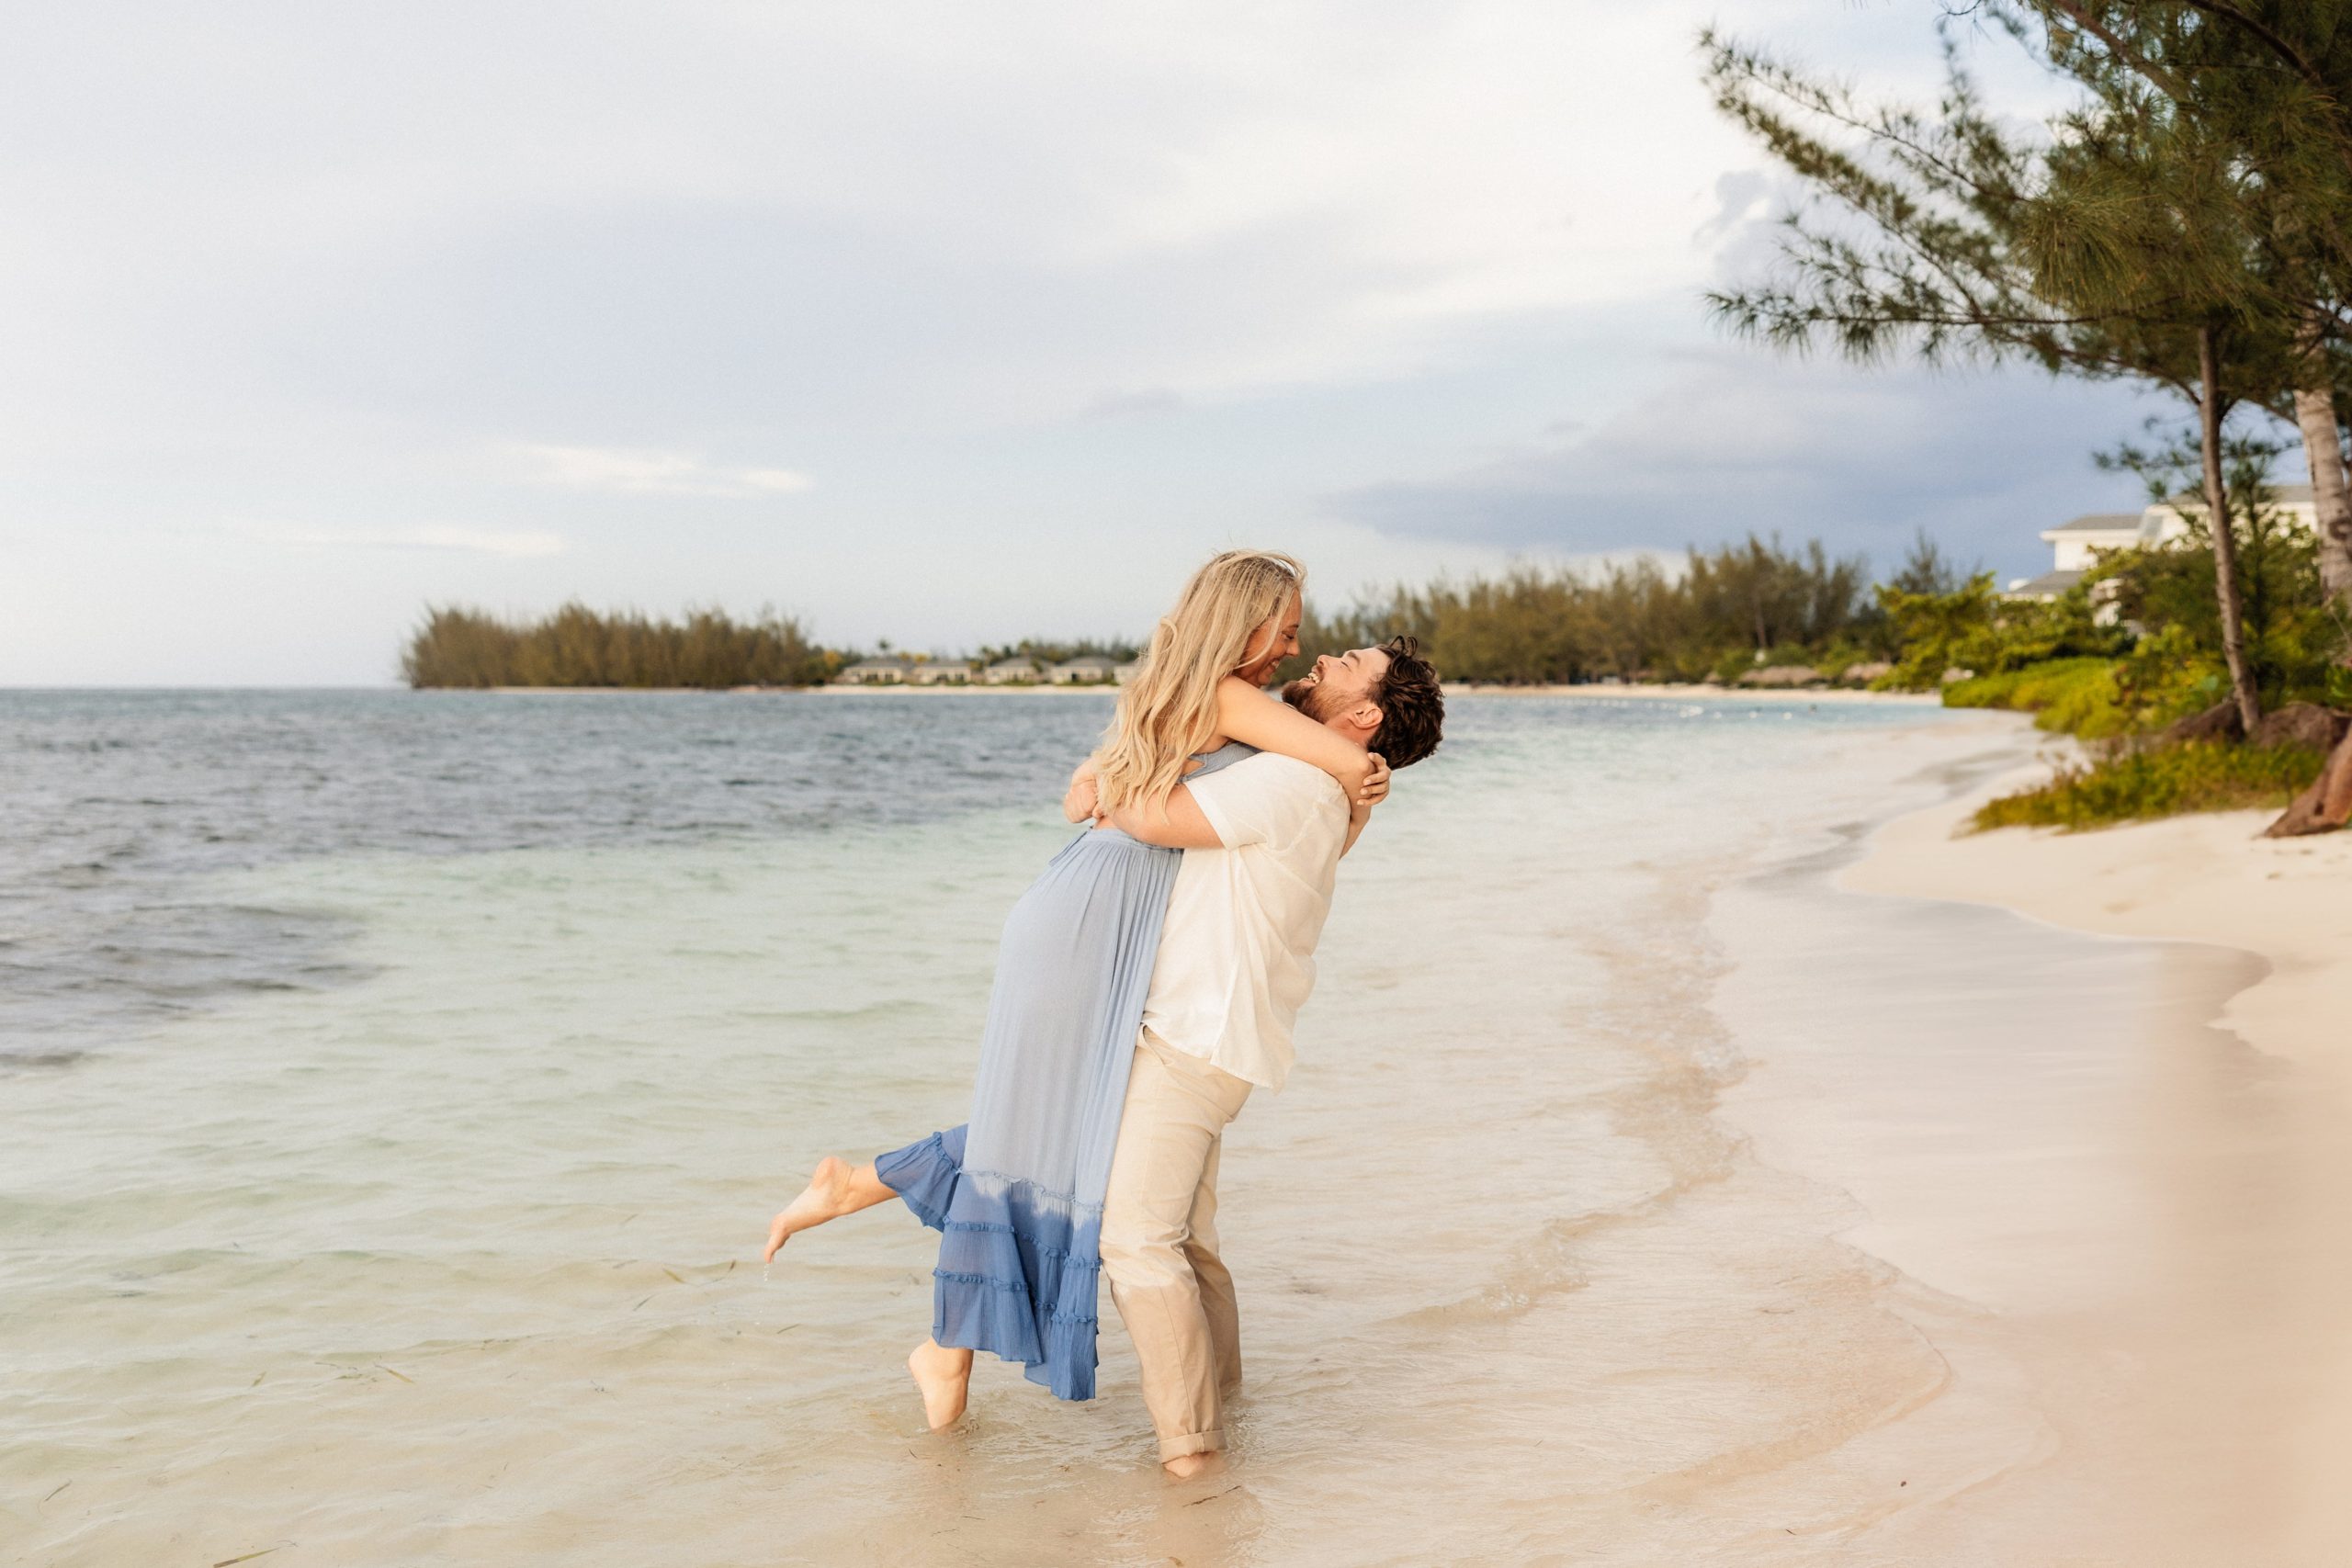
<point x="1266" y="799"/>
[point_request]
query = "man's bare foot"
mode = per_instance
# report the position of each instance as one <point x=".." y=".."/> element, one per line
<point x="825" y="1198"/>
<point x="945" y="1377"/>
<point x="1183" y="1467"/>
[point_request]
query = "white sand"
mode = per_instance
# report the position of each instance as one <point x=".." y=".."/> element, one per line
<point x="2252" y="1332"/>
<point x="2201" y="878"/>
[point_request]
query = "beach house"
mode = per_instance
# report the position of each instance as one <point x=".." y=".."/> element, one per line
<point x="2075" y="546"/>
<point x="1087" y="668"/>
<point x="1010" y="672"/>
<point x="1127" y="672"/>
<point x="891" y="672"/>
<point x="943" y="672"/>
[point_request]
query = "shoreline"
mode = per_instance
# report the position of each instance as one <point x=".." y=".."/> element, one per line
<point x="1690" y="692"/>
<point x="2204" y="877"/>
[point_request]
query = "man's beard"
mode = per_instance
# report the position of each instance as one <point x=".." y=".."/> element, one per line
<point x="1306" y="696"/>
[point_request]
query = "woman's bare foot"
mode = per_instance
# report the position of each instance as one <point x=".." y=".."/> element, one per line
<point x="1183" y="1467"/>
<point x="945" y="1376"/>
<point x="826" y="1197"/>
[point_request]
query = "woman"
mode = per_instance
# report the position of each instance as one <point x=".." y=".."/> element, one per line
<point x="1017" y="1193"/>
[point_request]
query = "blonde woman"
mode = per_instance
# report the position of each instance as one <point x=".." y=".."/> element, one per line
<point x="1016" y="1193"/>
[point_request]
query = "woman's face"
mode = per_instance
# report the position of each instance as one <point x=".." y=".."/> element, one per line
<point x="1270" y="644"/>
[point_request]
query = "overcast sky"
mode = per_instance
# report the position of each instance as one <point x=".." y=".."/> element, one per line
<point x="942" y="323"/>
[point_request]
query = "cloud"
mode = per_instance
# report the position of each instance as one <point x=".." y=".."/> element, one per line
<point x="638" y="472"/>
<point x="1129" y="404"/>
<point x="512" y="544"/>
<point x="1744" y="441"/>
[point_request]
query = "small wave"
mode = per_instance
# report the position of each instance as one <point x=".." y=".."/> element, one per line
<point x="38" y="1061"/>
<point x="897" y="1007"/>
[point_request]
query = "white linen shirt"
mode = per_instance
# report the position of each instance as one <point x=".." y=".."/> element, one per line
<point x="1237" y="952"/>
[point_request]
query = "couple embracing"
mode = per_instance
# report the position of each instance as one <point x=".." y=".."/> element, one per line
<point x="1147" y="982"/>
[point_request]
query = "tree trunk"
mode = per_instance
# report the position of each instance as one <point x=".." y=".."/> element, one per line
<point x="2225" y="540"/>
<point x="2327" y="804"/>
<point x="2323" y="448"/>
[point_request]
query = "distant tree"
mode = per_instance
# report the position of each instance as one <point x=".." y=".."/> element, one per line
<point x="462" y="648"/>
<point x="1925" y="569"/>
<point x="1048" y="650"/>
<point x="1775" y="597"/>
<point x="579" y="647"/>
<point x="2167" y="590"/>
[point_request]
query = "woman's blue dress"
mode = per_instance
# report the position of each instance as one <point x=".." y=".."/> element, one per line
<point x="1016" y="1193"/>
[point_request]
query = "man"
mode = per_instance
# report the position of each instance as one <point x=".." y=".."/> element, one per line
<point x="1237" y="958"/>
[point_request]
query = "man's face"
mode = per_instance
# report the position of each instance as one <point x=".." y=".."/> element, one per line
<point x="1337" y="683"/>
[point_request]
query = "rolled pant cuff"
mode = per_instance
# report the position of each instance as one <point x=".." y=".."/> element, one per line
<point x="1191" y="1443"/>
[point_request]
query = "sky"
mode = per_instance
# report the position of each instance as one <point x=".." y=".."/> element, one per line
<point x="937" y="323"/>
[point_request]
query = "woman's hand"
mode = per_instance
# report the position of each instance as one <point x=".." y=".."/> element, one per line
<point x="1375" y="782"/>
<point x="1081" y="802"/>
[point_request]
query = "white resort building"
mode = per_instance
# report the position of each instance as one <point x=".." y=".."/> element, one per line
<point x="1010" y="672"/>
<point x="891" y="672"/>
<point x="2078" y="545"/>
<point x="1086" y="669"/>
<point x="898" y="670"/>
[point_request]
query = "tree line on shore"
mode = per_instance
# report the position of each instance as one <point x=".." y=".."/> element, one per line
<point x="1718" y="614"/>
<point x="2133" y="652"/>
<point x="576" y="646"/>
<point x="1721" y="614"/>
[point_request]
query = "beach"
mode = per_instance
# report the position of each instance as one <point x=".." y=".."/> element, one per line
<point x="1687" y="1160"/>
<point x="2208" y="878"/>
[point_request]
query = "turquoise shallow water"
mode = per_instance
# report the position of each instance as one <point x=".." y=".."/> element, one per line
<point x="445" y="1250"/>
<point x="119" y="809"/>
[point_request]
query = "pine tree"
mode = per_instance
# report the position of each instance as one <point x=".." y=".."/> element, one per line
<point x="2271" y="82"/>
<point x="2113" y="248"/>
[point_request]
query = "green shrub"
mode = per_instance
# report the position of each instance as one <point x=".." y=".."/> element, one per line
<point x="2295" y="642"/>
<point x="2075" y="696"/>
<point x="1734" y="663"/>
<point x="1973" y="627"/>
<point x="1840" y="656"/>
<point x="2158" y="782"/>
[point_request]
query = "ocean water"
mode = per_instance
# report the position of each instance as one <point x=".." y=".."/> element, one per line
<point x="396" y="1088"/>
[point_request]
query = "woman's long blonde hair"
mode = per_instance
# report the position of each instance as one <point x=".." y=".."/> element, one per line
<point x="1168" y="711"/>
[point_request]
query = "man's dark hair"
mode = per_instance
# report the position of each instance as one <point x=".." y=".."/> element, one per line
<point x="1413" y="708"/>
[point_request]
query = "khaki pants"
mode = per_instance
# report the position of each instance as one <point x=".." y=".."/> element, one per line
<point x="1160" y="1243"/>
